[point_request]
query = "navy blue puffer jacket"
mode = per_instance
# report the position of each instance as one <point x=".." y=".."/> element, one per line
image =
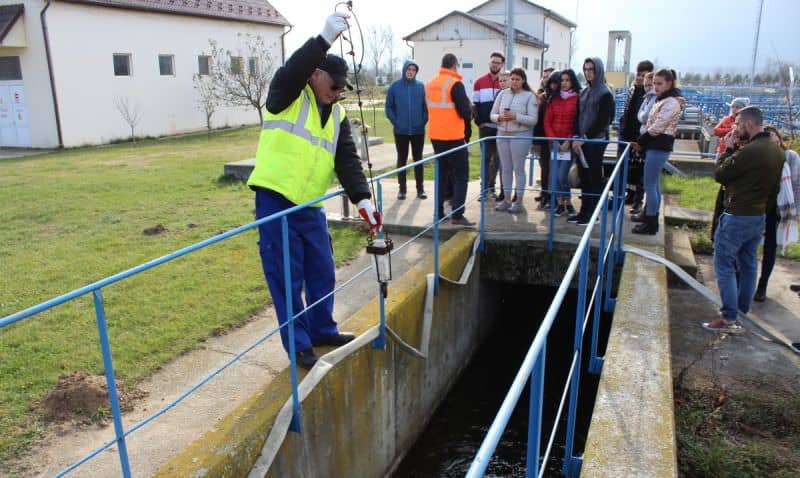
<point x="405" y="104"/>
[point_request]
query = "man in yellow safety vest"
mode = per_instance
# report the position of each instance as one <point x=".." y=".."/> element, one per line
<point x="305" y="138"/>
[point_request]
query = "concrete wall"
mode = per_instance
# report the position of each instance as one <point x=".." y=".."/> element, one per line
<point x="633" y="426"/>
<point x="83" y="39"/>
<point x="368" y="410"/>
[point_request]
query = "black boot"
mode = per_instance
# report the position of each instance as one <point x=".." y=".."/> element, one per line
<point x="761" y="291"/>
<point x="649" y="226"/>
<point x="638" y="217"/>
<point x="630" y="196"/>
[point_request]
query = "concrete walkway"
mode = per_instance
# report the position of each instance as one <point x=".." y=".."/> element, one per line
<point x="160" y="440"/>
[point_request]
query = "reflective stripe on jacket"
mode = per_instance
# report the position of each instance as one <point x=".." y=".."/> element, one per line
<point x="444" y="122"/>
<point x="296" y="153"/>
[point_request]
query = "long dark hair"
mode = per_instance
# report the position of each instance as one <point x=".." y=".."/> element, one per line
<point x="573" y="78"/>
<point x="521" y="73"/>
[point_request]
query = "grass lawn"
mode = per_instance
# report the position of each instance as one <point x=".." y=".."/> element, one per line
<point x="748" y="429"/>
<point x="700" y="192"/>
<point x="73" y="217"/>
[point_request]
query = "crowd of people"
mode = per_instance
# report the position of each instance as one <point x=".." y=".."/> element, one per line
<point x="306" y="139"/>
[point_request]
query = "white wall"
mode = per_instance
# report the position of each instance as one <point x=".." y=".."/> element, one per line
<point x="558" y="38"/>
<point x="527" y="17"/>
<point x="83" y="40"/>
<point x="428" y="55"/>
<point x="35" y="77"/>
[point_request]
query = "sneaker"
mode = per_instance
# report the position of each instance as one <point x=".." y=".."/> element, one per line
<point x="401" y="195"/>
<point x="571" y="210"/>
<point x="461" y="221"/>
<point x="503" y="206"/>
<point x="560" y="210"/>
<point x="722" y="326"/>
<point x="573" y="218"/>
<point x="796" y="347"/>
<point x="516" y="208"/>
<point x="582" y="221"/>
<point x="422" y="195"/>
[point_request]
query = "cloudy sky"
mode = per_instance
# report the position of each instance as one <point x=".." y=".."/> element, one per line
<point x="688" y="35"/>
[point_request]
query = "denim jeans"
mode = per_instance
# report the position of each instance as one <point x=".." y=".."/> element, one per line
<point x="735" y="247"/>
<point x="653" y="164"/>
<point x="561" y="169"/>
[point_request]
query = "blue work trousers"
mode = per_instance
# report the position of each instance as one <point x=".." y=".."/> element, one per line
<point x="736" y="246"/>
<point x="312" y="268"/>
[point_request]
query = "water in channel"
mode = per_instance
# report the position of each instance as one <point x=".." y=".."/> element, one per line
<point x="449" y="444"/>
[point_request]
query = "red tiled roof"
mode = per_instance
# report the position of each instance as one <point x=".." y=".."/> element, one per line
<point x="258" y="11"/>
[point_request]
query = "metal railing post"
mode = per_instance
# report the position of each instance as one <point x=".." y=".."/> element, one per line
<point x="552" y="219"/>
<point x="535" y="415"/>
<point x="294" y="425"/>
<point x="484" y="167"/>
<point x="111" y="383"/>
<point x="572" y="464"/>
<point x="595" y="362"/>
<point x="380" y="340"/>
<point x="436" y="203"/>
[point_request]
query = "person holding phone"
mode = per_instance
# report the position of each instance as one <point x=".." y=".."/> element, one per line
<point x="559" y="122"/>
<point x="515" y="112"/>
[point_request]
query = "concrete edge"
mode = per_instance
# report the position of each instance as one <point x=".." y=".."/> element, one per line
<point x="679" y="251"/>
<point x="233" y="446"/>
<point x="632" y="432"/>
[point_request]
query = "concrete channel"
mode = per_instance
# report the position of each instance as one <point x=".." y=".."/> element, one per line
<point x="367" y="411"/>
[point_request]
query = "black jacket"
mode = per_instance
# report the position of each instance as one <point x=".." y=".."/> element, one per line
<point x="288" y="84"/>
<point x="463" y="107"/>
<point x="629" y="124"/>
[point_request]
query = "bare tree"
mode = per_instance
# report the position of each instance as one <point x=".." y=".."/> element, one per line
<point x="242" y="77"/>
<point x="130" y="113"/>
<point x="378" y="37"/>
<point x="391" y="53"/>
<point x="207" y="97"/>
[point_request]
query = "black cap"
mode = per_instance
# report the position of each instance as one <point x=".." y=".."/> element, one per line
<point x="336" y="66"/>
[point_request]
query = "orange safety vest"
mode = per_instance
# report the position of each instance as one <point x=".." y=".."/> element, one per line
<point x="444" y="123"/>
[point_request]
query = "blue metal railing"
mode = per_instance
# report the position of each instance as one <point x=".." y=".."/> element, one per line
<point x="95" y="289"/>
<point x="533" y="366"/>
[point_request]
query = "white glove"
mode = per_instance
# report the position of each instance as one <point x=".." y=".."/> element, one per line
<point x="334" y="25"/>
<point x="372" y="217"/>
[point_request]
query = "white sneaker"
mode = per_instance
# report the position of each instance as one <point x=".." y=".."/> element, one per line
<point x="516" y="208"/>
<point x="503" y="206"/>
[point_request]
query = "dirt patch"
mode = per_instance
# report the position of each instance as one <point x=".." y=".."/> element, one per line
<point x="156" y="230"/>
<point x="83" y="397"/>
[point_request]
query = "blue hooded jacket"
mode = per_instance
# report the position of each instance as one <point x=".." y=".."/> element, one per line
<point x="405" y="104"/>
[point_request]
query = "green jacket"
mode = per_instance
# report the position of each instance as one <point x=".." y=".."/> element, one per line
<point x="751" y="176"/>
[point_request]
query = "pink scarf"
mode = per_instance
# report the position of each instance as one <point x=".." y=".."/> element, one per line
<point x="567" y="94"/>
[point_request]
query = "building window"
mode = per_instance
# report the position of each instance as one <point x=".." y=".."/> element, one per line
<point x="252" y="65"/>
<point x="236" y="65"/>
<point x="536" y="64"/>
<point x="166" y="65"/>
<point x="525" y="62"/>
<point x="122" y="64"/>
<point x="203" y="65"/>
<point x="10" y="68"/>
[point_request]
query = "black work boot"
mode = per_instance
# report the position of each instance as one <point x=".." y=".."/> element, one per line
<point x="648" y="226"/>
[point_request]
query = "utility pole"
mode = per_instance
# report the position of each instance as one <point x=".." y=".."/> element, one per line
<point x="510" y="33"/>
<point x="755" y="42"/>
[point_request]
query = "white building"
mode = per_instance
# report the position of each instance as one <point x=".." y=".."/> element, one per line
<point x="65" y="64"/>
<point x="543" y="38"/>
